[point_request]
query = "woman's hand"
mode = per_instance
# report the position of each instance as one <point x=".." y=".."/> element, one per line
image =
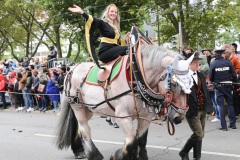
<point x="127" y="36"/>
<point x="76" y="9"/>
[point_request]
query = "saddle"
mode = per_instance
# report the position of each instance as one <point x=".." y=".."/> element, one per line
<point x="97" y="76"/>
<point x="104" y="74"/>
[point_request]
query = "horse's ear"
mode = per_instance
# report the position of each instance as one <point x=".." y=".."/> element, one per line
<point x="175" y="62"/>
<point x="189" y="60"/>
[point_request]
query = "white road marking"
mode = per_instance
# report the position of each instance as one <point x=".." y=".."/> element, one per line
<point x="151" y="146"/>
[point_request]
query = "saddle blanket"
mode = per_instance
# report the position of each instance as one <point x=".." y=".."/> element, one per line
<point x="92" y="78"/>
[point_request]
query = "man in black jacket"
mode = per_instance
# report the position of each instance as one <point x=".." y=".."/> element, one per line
<point x="199" y="104"/>
<point x="52" y="56"/>
<point x="61" y="78"/>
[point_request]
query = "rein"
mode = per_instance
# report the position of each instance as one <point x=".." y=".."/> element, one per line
<point x="147" y="94"/>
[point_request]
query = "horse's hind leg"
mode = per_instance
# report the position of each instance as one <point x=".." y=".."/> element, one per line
<point x="83" y="115"/>
<point x="142" y="133"/>
<point x="77" y="148"/>
<point x="67" y="133"/>
<point x="129" y="150"/>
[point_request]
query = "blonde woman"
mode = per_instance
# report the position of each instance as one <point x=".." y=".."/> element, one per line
<point x="109" y="28"/>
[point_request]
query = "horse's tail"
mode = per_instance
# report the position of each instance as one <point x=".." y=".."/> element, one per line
<point x="67" y="128"/>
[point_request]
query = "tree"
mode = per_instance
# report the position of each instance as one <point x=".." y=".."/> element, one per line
<point x="19" y="28"/>
<point x="200" y="21"/>
<point x="20" y="24"/>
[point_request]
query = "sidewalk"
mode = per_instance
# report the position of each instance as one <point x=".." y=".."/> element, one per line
<point x="50" y="111"/>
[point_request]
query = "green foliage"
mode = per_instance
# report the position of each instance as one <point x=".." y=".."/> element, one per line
<point x="200" y="21"/>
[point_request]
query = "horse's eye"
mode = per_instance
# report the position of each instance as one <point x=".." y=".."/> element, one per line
<point x="174" y="85"/>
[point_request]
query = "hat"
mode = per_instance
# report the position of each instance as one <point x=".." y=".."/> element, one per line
<point x="206" y="50"/>
<point x="219" y="51"/>
<point x="51" y="48"/>
<point x="196" y="56"/>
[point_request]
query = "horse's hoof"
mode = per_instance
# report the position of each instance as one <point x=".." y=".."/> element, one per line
<point x="115" y="125"/>
<point x="109" y="122"/>
<point x="80" y="155"/>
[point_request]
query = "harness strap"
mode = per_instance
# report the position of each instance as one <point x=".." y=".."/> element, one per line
<point x="75" y="100"/>
<point x="131" y="78"/>
<point x="140" y="63"/>
<point x="105" y="96"/>
<point x="172" y="126"/>
<point x="169" y="123"/>
<point x="68" y="81"/>
<point x="69" y="77"/>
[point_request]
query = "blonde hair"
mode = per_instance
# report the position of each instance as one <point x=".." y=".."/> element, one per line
<point x="105" y="17"/>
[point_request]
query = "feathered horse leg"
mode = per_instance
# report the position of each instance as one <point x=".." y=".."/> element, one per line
<point x="67" y="133"/>
<point x="129" y="150"/>
<point x="83" y="115"/>
<point x="142" y="133"/>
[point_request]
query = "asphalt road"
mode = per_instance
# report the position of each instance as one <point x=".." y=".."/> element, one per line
<point x="30" y="136"/>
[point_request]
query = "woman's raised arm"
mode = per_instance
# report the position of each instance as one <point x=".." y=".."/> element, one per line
<point x="76" y="9"/>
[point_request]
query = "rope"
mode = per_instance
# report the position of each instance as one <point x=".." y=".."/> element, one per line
<point x="27" y="93"/>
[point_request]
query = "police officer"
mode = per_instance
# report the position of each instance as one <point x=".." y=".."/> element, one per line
<point x="222" y="71"/>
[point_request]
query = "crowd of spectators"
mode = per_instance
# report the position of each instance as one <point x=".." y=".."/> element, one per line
<point x="34" y="86"/>
<point x="31" y="85"/>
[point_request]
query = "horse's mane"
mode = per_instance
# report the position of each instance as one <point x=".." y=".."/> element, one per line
<point x="156" y="53"/>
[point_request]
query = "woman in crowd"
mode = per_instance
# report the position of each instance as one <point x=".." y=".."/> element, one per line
<point x="35" y="84"/>
<point x="43" y="80"/>
<point x="21" y="86"/>
<point x="28" y="92"/>
<point x="11" y="84"/>
<point x="18" y="88"/>
<point x="3" y="81"/>
<point x="52" y="89"/>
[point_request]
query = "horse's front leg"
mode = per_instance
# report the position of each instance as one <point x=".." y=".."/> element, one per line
<point x="142" y="133"/>
<point x="83" y="115"/>
<point x="129" y="150"/>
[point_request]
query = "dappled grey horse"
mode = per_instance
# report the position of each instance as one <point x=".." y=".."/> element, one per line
<point x="73" y="129"/>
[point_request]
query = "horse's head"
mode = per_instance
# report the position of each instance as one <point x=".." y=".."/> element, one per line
<point x="175" y="83"/>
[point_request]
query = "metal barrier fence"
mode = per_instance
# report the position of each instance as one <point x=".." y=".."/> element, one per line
<point x="58" y="61"/>
<point x="7" y="97"/>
